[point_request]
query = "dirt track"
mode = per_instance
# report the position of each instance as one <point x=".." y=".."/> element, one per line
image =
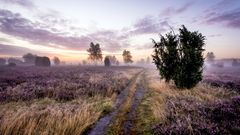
<point x="121" y="119"/>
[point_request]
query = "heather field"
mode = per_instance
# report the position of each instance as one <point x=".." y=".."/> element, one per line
<point x="227" y="77"/>
<point x="58" y="100"/>
<point x="73" y="100"/>
<point x="205" y="109"/>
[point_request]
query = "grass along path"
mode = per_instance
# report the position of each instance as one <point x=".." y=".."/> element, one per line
<point x="123" y="123"/>
<point x="102" y="126"/>
<point x="165" y="109"/>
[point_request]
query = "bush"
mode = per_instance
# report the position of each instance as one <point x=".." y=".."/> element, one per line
<point x="42" y="61"/>
<point x="180" y="57"/>
<point x="12" y="64"/>
<point x="2" y="61"/>
<point x="107" y="62"/>
<point x="218" y="64"/>
<point x="235" y="63"/>
<point x="166" y="56"/>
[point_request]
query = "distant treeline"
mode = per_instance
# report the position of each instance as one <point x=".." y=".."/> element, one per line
<point x="29" y="59"/>
<point x="210" y="59"/>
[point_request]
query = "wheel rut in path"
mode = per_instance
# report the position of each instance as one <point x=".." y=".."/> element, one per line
<point x="131" y="116"/>
<point x="102" y="125"/>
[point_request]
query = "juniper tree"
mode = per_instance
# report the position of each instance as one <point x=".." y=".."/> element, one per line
<point x="191" y="60"/>
<point x="180" y="57"/>
<point x="165" y="55"/>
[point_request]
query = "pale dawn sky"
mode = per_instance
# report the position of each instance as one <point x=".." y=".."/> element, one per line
<point x="65" y="28"/>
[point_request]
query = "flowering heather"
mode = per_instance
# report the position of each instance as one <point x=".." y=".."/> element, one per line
<point x="188" y="116"/>
<point x="228" y="77"/>
<point x="58" y="100"/>
<point x="61" y="83"/>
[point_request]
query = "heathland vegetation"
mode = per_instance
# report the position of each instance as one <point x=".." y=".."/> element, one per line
<point x="181" y="95"/>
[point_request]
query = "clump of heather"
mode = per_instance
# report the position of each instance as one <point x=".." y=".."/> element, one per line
<point x="189" y="116"/>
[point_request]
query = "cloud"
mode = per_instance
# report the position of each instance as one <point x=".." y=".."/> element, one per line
<point x="149" y="25"/>
<point x="5" y="40"/>
<point x="228" y="18"/>
<point x="23" y="3"/>
<point x="224" y="12"/>
<point x="215" y="35"/>
<point x="221" y="5"/>
<point x="15" y="25"/>
<point x="111" y="40"/>
<point x="173" y="10"/>
<point x="145" y="46"/>
<point x="14" y="50"/>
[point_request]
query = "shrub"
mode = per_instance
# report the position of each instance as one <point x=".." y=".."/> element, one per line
<point x="2" y="61"/>
<point x="56" y="61"/>
<point x="166" y="56"/>
<point x="12" y="64"/>
<point x="107" y="62"/>
<point x="235" y="63"/>
<point x="180" y="57"/>
<point x="218" y="64"/>
<point x="42" y="61"/>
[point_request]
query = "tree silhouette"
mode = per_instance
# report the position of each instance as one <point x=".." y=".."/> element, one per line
<point x="56" y="60"/>
<point x="210" y="57"/>
<point x="112" y="59"/>
<point x="180" y="58"/>
<point x="95" y="53"/>
<point x="29" y="58"/>
<point x="107" y="62"/>
<point x="127" y="57"/>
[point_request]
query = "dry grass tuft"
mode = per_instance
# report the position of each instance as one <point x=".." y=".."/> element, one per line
<point x="48" y="117"/>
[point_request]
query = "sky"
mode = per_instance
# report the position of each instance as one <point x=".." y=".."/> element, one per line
<point x="65" y="28"/>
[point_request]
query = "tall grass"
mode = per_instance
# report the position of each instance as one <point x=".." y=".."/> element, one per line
<point x="58" y="100"/>
<point x="177" y="111"/>
<point x="46" y="116"/>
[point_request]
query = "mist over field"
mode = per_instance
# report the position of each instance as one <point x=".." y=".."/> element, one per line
<point x="119" y="67"/>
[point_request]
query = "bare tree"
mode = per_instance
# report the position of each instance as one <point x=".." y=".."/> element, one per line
<point x="56" y="61"/>
<point x="95" y="53"/>
<point x="127" y="57"/>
